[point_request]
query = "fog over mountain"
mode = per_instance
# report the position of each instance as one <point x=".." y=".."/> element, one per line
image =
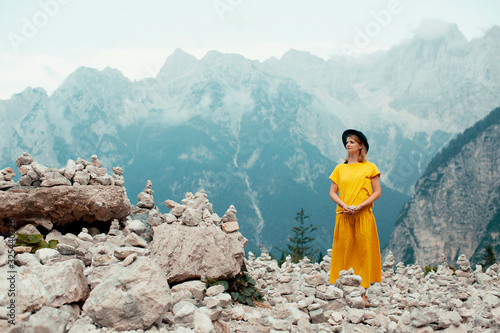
<point x="264" y="136"/>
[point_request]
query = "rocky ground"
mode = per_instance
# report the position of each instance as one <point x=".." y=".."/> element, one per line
<point x="148" y="272"/>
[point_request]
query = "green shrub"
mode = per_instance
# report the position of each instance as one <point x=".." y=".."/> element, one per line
<point x="242" y="287"/>
<point x="435" y="268"/>
<point x="36" y="242"/>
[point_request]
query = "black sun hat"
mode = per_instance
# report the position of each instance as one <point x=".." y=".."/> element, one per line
<point x="359" y="134"/>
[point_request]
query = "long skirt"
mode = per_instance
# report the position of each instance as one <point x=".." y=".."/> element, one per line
<point x="356" y="246"/>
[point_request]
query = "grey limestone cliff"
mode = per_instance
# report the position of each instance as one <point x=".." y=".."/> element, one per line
<point x="455" y="201"/>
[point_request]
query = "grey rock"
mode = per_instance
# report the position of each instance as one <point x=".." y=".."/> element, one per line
<point x="59" y="319"/>
<point x="191" y="217"/>
<point x="124" y="252"/>
<point x="82" y="162"/>
<point x="118" y="180"/>
<point x="187" y="253"/>
<point x="32" y="295"/>
<point x="33" y="175"/>
<point x="355" y="302"/>
<point x="64" y="281"/>
<point x="184" y="312"/>
<point x="25" y="180"/>
<point x="28" y="229"/>
<point x="24" y="159"/>
<point x="50" y="179"/>
<point x="70" y="170"/>
<point x="95" y="162"/>
<point x="81" y="178"/>
<point x="230" y="215"/>
<point x="195" y="288"/>
<point x="130" y="259"/>
<point x="136" y="226"/>
<point x="355" y="316"/>
<point x="155" y="218"/>
<point x="27" y="259"/>
<point x="124" y="302"/>
<point x="66" y="204"/>
<point x="39" y="169"/>
<point x="317" y="316"/>
<point x="102" y="180"/>
<point x="418" y="318"/>
<point x="350" y="280"/>
<point x="6" y="184"/>
<point x="118" y="171"/>
<point x="330" y="293"/>
<point x="215" y="290"/>
<point x="46" y="255"/>
<point x="203" y="323"/>
<point x="177" y="210"/>
<point x="135" y="240"/>
<point x="84" y="325"/>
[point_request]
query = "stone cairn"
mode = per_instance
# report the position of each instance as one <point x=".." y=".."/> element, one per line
<point x="149" y="275"/>
<point x="76" y="173"/>
<point x="146" y="197"/>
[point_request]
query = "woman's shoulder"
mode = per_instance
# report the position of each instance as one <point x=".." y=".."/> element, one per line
<point x="369" y="164"/>
<point x="371" y="169"/>
<point x="340" y="165"/>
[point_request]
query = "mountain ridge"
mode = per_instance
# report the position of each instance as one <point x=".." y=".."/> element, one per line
<point x="455" y="201"/>
<point x="224" y="130"/>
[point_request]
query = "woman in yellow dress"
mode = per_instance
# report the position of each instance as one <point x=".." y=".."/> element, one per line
<point x="355" y="186"/>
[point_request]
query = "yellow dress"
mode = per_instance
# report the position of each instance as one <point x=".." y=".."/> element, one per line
<point x="355" y="239"/>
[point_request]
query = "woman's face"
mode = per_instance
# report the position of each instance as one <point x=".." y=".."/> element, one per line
<point x="352" y="146"/>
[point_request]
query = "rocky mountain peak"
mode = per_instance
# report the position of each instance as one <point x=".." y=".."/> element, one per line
<point x="228" y="63"/>
<point x="176" y="65"/>
<point x="29" y="94"/>
<point x="94" y="82"/>
<point x="216" y="57"/>
<point x="298" y="57"/>
<point x="433" y="29"/>
<point x="493" y="33"/>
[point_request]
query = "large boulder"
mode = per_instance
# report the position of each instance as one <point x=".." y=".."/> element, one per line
<point x="56" y="320"/>
<point x="31" y="293"/>
<point x="187" y="253"/>
<point x="133" y="298"/>
<point x="65" y="204"/>
<point x="64" y="281"/>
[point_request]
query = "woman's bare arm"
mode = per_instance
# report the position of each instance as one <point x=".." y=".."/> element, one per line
<point x="334" y="196"/>
<point x="377" y="192"/>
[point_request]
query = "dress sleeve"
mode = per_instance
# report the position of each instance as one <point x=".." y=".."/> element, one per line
<point x="335" y="176"/>
<point x="374" y="171"/>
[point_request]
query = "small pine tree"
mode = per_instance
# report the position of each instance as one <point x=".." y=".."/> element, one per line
<point x="299" y="248"/>
<point x="488" y="257"/>
<point x="320" y="256"/>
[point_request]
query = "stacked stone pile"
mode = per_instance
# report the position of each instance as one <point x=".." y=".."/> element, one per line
<point x="57" y="196"/>
<point x="6" y="176"/>
<point x="192" y="230"/>
<point x="145" y="198"/>
<point x="107" y="273"/>
<point x="76" y="173"/>
<point x="145" y="276"/>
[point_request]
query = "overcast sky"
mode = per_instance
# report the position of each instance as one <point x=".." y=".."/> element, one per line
<point x="42" y="42"/>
